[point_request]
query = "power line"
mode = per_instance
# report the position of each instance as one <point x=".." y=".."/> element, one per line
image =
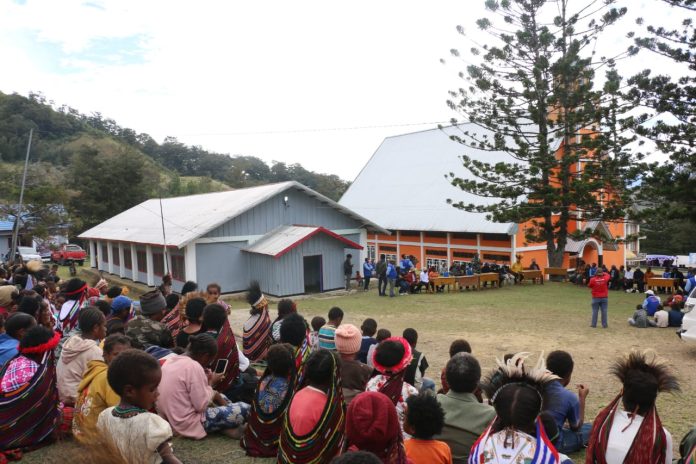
<point x="310" y="130"/>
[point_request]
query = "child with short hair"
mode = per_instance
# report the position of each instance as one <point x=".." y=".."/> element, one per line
<point x="368" y="328"/>
<point x="139" y="435"/>
<point x="317" y="323"/>
<point x="94" y="393"/>
<point x="327" y="334"/>
<point x="382" y="334"/>
<point x="425" y="419"/>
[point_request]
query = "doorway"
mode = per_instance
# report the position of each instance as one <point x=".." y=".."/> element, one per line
<point x="312" y="274"/>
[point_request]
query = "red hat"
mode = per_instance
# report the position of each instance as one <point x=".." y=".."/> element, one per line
<point x="372" y="424"/>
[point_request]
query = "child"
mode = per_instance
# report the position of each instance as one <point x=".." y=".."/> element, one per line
<point x="368" y="328"/>
<point x="79" y="350"/>
<point x="382" y="334"/>
<point x="139" y="435"/>
<point x="415" y="373"/>
<point x="458" y="346"/>
<point x="640" y="318"/>
<point x="327" y="334"/>
<point x="94" y="392"/>
<point x="424" y="420"/>
<point x="317" y="323"/>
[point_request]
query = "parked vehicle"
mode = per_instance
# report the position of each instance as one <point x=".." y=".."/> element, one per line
<point x="45" y="254"/>
<point x="688" y="328"/>
<point x="28" y="253"/>
<point x="69" y="253"/>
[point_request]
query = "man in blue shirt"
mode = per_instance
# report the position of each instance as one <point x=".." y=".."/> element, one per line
<point x="651" y="303"/>
<point x="15" y="327"/>
<point x="406" y="264"/>
<point x="368" y="269"/>
<point x="391" y="277"/>
<point x="566" y="407"/>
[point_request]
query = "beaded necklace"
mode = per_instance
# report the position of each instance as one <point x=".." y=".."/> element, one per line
<point x="126" y="411"/>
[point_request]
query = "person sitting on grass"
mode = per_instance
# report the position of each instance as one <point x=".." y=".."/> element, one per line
<point x="640" y="318"/>
<point x="466" y="417"/>
<point x="565" y="406"/>
<point x="120" y="312"/>
<point x="675" y="316"/>
<point x="294" y="332"/>
<point x="629" y="429"/>
<point x="78" y="351"/>
<point x="391" y="358"/>
<point x="687" y="448"/>
<point x="651" y="303"/>
<point x="457" y="346"/>
<point x="138" y="435"/>
<point x="327" y="333"/>
<point x="382" y="334"/>
<point x="354" y="374"/>
<point x="317" y="323"/>
<point x="94" y="393"/>
<point x="28" y="419"/>
<point x="368" y="329"/>
<point x="214" y="295"/>
<point x="424" y="420"/>
<point x="372" y="425"/>
<point x="313" y="430"/>
<point x="256" y="332"/>
<point x="148" y="328"/>
<point x="187" y="391"/>
<point x="193" y="313"/>
<point x="415" y="373"/>
<point x="270" y="403"/>
<point x="661" y="317"/>
<point x="16" y="325"/>
<point x="285" y="307"/>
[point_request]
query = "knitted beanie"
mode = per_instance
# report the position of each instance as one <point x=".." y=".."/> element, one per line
<point x="372" y="423"/>
<point x="152" y="302"/>
<point x="348" y="339"/>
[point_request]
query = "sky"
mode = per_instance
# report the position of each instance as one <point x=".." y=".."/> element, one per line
<point x="320" y="83"/>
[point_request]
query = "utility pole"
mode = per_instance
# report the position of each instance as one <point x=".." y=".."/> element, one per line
<point x="18" y="215"/>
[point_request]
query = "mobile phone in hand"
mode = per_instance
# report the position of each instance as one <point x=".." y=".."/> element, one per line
<point x="220" y="366"/>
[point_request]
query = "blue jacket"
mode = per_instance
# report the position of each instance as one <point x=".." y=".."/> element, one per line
<point x="650" y="304"/>
<point x="391" y="271"/>
<point x="8" y="349"/>
<point x="367" y="269"/>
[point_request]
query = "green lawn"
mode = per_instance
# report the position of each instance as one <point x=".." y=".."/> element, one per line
<point x="522" y="318"/>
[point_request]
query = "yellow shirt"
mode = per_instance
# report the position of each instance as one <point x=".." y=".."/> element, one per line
<point x="516" y="267"/>
<point x="94" y="396"/>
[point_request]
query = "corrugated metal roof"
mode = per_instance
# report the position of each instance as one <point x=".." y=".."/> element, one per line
<point x="187" y="218"/>
<point x="6" y="226"/>
<point x="575" y="246"/>
<point x="283" y="239"/>
<point x="403" y="186"/>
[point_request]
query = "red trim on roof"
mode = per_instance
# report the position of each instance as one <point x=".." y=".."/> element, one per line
<point x="350" y="243"/>
<point x="127" y="241"/>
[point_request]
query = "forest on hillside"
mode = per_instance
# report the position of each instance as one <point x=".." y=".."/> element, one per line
<point x="80" y="161"/>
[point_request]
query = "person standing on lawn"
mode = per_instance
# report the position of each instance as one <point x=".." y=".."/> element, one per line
<point x="348" y="270"/>
<point x="599" y="285"/>
<point x="368" y="269"/>
<point x="382" y="276"/>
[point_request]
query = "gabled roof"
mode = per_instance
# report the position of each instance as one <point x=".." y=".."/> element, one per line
<point x="187" y="218"/>
<point x="283" y="239"/>
<point x="403" y="186"/>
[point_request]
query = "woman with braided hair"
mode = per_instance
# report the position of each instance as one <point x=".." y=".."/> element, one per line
<point x="314" y="426"/>
<point x="629" y="429"/>
<point x="516" y="435"/>
<point x="256" y="337"/>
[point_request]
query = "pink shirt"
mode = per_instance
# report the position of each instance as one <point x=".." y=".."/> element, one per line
<point x="184" y="396"/>
<point x="305" y="409"/>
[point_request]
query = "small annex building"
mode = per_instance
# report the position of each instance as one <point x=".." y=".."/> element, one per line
<point x="290" y="238"/>
<point x="404" y="188"/>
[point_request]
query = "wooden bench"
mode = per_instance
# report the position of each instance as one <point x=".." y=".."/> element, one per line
<point x="464" y="282"/>
<point x="556" y="271"/>
<point x="532" y="276"/>
<point x="660" y="282"/>
<point x="442" y="281"/>
<point x="492" y="277"/>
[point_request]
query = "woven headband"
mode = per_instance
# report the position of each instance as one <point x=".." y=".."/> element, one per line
<point x="44" y="347"/>
<point x="260" y="303"/>
<point x="79" y="290"/>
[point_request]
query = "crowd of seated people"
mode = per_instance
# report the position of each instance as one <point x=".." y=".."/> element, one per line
<point x="343" y="395"/>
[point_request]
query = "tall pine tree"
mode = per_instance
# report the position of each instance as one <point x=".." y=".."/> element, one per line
<point x="532" y="96"/>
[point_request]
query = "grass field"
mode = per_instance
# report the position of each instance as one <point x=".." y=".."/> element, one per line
<point x="522" y="318"/>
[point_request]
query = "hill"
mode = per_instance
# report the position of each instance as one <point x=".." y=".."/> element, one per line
<point x="96" y="168"/>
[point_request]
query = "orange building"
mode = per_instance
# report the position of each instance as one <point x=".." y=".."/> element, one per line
<point x="404" y="188"/>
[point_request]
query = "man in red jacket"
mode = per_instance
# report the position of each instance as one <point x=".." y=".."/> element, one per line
<point x="599" y="284"/>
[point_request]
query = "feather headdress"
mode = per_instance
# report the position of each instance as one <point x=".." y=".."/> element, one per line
<point x="514" y="371"/>
<point x="255" y="296"/>
<point x="647" y="362"/>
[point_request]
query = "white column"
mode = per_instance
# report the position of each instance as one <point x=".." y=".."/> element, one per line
<point x="190" y="262"/>
<point x="363" y="243"/>
<point x="478" y="246"/>
<point x="122" y="262"/>
<point x="422" y="251"/>
<point x="150" y="268"/>
<point x="110" y="254"/>
<point x="134" y="262"/>
<point x="93" y="262"/>
<point x="398" y="247"/>
<point x="449" y="251"/>
<point x="513" y="254"/>
<point x="100" y="258"/>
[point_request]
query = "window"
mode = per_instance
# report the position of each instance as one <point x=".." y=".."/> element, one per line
<point x="158" y="264"/>
<point x="435" y="252"/>
<point x="127" y="258"/>
<point x="487" y="257"/>
<point x="388" y="257"/>
<point x="178" y="268"/>
<point x="371" y="251"/>
<point x="463" y="254"/>
<point x="73" y="248"/>
<point x="117" y="258"/>
<point x="496" y="237"/>
<point x="142" y="260"/>
<point x="440" y="265"/>
<point x="387" y="248"/>
<point x="436" y="234"/>
<point x="464" y="235"/>
<point x="105" y="253"/>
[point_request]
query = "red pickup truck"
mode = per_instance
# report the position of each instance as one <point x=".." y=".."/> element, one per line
<point x="68" y="253"/>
